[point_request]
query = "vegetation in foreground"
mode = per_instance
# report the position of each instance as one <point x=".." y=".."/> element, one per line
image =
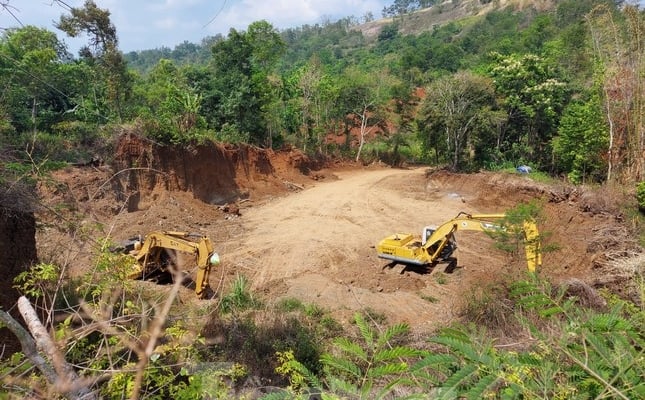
<point x="117" y="338"/>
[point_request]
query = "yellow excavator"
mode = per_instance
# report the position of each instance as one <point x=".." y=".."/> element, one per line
<point x="437" y="244"/>
<point x="154" y="259"/>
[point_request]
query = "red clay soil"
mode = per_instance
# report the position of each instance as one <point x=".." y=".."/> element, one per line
<point x="298" y="229"/>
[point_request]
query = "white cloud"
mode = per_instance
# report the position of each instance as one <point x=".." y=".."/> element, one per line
<point x="154" y="23"/>
<point x="284" y="14"/>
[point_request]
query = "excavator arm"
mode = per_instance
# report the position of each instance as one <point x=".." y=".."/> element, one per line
<point x="438" y="243"/>
<point x="149" y="252"/>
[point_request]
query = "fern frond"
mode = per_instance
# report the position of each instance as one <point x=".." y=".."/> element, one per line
<point x="434" y="368"/>
<point x="366" y="389"/>
<point x="282" y="395"/>
<point x="401" y="382"/>
<point x="396" y="352"/>
<point x="311" y="378"/>
<point x="455" y="345"/>
<point x="535" y="301"/>
<point x="460" y="378"/>
<point x="436" y="361"/>
<point x="481" y="389"/>
<point x="521" y="288"/>
<point x="366" y="331"/>
<point x="387" y="369"/>
<point x="546" y="313"/>
<point x="608" y="323"/>
<point x="338" y="385"/>
<point x="391" y="332"/>
<point x="600" y="345"/>
<point x="456" y="333"/>
<point x="353" y="349"/>
<point x="444" y="393"/>
<point x="341" y="365"/>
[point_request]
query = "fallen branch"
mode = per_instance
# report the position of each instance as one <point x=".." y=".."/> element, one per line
<point x="29" y="347"/>
<point x="65" y="379"/>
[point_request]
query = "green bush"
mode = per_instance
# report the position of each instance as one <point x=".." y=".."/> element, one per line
<point x="640" y="196"/>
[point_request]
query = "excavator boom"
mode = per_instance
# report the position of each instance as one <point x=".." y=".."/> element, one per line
<point x="150" y="251"/>
<point x="437" y="244"/>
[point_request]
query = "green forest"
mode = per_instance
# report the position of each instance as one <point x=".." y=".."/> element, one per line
<point x="560" y="90"/>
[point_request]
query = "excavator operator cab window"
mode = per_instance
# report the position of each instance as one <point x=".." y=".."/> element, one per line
<point x="427" y="232"/>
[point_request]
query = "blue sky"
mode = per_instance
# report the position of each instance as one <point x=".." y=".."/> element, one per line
<point x="149" y="24"/>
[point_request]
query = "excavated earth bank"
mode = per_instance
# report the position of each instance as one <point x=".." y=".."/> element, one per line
<point x="298" y="228"/>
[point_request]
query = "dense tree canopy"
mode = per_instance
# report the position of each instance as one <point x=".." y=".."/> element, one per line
<point x="303" y="84"/>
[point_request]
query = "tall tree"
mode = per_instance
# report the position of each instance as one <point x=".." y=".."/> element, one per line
<point x="533" y="94"/>
<point x="618" y="49"/>
<point x="168" y="101"/>
<point x="452" y="114"/>
<point x="102" y="53"/>
<point x="30" y="59"/>
<point x="243" y="64"/>
<point x="362" y="100"/>
<point x="580" y="147"/>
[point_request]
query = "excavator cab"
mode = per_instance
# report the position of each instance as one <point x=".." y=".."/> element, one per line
<point x="448" y="249"/>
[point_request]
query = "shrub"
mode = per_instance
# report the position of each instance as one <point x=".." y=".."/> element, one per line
<point x="640" y="196"/>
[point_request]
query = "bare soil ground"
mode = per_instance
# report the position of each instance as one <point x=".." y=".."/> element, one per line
<point x="304" y="233"/>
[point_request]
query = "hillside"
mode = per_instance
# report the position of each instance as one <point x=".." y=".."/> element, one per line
<point x="430" y="18"/>
<point x="464" y="12"/>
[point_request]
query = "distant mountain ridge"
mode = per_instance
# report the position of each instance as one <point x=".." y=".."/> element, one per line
<point x="449" y="11"/>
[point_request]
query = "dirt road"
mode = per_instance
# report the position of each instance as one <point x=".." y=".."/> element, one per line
<point x="318" y="246"/>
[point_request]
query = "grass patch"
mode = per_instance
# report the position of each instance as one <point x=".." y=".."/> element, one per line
<point x="441" y="278"/>
<point x="239" y="298"/>
<point x="289" y="304"/>
<point x="430" y="299"/>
